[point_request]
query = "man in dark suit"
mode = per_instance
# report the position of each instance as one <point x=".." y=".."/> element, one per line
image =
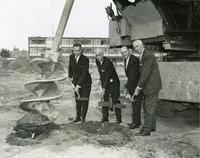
<point x="110" y="84"/>
<point x="131" y="67"/>
<point x="150" y="84"/>
<point x="78" y="73"/>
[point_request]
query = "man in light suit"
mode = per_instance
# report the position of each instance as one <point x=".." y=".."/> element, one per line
<point x="110" y="84"/>
<point x="131" y="67"/>
<point x="150" y="84"/>
<point x="78" y="73"/>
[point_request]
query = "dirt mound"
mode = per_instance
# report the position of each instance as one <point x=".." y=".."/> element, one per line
<point x="107" y="134"/>
<point x="15" y="139"/>
<point x="23" y="137"/>
<point x="32" y="120"/>
<point x="21" y="64"/>
<point x="92" y="132"/>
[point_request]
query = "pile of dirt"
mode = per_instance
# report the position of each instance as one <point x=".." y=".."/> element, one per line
<point x="31" y="126"/>
<point x="15" y="139"/>
<point x="107" y="134"/>
<point x="92" y="132"/>
<point x="22" y="64"/>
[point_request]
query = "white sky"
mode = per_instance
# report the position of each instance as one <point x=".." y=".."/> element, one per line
<point x="20" y="19"/>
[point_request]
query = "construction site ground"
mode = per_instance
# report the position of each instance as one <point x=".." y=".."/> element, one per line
<point x="175" y="137"/>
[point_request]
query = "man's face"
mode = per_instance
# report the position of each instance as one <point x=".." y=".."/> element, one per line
<point x="124" y="52"/>
<point x="138" y="47"/>
<point x="77" y="51"/>
<point x="99" y="56"/>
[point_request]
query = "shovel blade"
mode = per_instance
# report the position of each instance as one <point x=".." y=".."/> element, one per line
<point x="104" y="104"/>
<point x="120" y="106"/>
<point x="82" y="98"/>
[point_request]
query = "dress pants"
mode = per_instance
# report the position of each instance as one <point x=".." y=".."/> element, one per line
<point x="136" y="113"/>
<point x="150" y="105"/>
<point x="82" y="106"/>
<point x="114" y="91"/>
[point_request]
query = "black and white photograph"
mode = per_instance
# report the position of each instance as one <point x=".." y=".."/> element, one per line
<point x="100" y="79"/>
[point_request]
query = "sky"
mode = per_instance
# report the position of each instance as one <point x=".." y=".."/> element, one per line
<point x="20" y="19"/>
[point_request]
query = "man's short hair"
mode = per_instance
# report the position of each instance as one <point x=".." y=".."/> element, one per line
<point x="125" y="47"/>
<point x="138" y="41"/>
<point x="77" y="45"/>
<point x="99" y="51"/>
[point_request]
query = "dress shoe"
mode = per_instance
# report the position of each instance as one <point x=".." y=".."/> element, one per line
<point x="129" y="124"/>
<point x="83" y="120"/>
<point x="111" y="109"/>
<point x="102" y="121"/>
<point x="140" y="131"/>
<point x="143" y="133"/>
<point x="153" y="130"/>
<point x="133" y="126"/>
<point x="77" y="120"/>
<point x="118" y="122"/>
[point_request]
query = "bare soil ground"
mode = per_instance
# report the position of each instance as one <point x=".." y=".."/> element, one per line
<point x="176" y="137"/>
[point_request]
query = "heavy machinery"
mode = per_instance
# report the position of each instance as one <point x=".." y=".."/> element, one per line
<point x="168" y="28"/>
<point x="171" y="30"/>
<point x="45" y="89"/>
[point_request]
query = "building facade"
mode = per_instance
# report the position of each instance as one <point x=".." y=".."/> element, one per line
<point x="38" y="46"/>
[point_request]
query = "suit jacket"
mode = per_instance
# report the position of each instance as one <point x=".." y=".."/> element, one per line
<point x="132" y="73"/>
<point x="150" y="80"/>
<point x="79" y="71"/>
<point x="107" y="73"/>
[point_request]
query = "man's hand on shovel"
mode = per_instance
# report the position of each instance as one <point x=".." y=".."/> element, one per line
<point x="76" y="89"/>
<point x="102" y="92"/>
<point x="133" y="98"/>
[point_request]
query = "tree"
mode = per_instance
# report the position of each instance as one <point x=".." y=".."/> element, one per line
<point x="5" y="53"/>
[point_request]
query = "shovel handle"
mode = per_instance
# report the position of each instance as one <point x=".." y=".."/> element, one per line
<point x="74" y="88"/>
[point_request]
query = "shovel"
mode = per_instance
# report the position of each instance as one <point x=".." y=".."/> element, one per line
<point x="79" y="98"/>
<point x="119" y="106"/>
<point x="103" y="103"/>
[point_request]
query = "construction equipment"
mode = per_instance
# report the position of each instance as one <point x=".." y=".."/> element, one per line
<point x="171" y="30"/>
<point x="53" y="54"/>
<point x="44" y="89"/>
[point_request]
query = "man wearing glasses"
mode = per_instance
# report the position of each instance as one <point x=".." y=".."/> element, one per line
<point x="78" y="73"/>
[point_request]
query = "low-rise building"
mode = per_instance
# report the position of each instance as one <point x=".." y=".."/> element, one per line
<point x="38" y="46"/>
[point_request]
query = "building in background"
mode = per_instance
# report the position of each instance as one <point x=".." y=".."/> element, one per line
<point x="38" y="46"/>
<point x="16" y="53"/>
